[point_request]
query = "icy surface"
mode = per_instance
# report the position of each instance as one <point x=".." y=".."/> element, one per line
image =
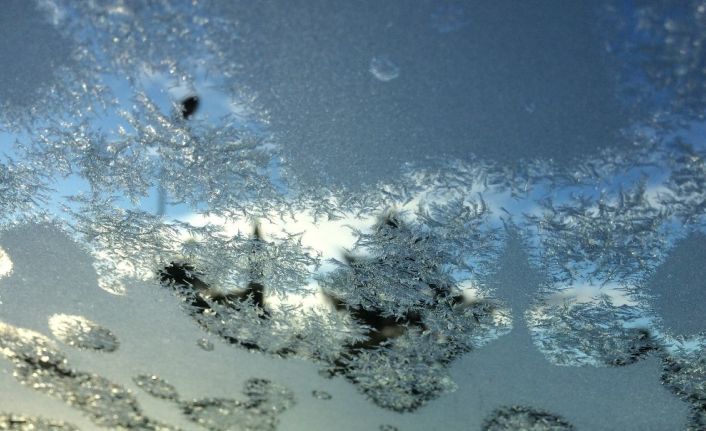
<point x="326" y="216"/>
<point x="77" y="331"/>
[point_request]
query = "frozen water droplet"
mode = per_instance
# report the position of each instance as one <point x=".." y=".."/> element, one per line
<point x="205" y="344"/>
<point x="383" y="68"/>
<point x="156" y="387"/>
<point x="388" y="428"/>
<point x="321" y="395"/>
<point x="77" y="331"/>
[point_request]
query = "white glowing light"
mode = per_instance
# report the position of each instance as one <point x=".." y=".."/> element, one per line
<point x="5" y="264"/>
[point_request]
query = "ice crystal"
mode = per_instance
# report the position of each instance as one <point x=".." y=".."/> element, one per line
<point x="613" y="237"/>
<point x="400" y="288"/>
<point x="393" y="314"/>
<point x="50" y="75"/>
<point x="229" y="263"/>
<point x="397" y="284"/>
<point x="240" y="320"/>
<point x="14" y="422"/>
<point x="156" y="387"/>
<point x="131" y="36"/>
<point x="596" y="333"/>
<point x="687" y="183"/>
<point x="77" y="331"/>
<point x="22" y="189"/>
<point x="525" y="418"/>
<point x="220" y="165"/>
<point x="126" y="243"/>
<point x="403" y="375"/>
<point x="265" y="401"/>
<point x="39" y="365"/>
<point x="685" y="374"/>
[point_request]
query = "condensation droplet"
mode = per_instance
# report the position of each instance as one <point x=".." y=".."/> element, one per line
<point x="383" y="68"/>
<point x="205" y="344"/>
<point x="321" y="395"/>
<point x="77" y="331"/>
<point x="156" y="387"/>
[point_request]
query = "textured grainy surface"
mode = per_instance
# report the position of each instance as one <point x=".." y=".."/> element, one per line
<point x="176" y="249"/>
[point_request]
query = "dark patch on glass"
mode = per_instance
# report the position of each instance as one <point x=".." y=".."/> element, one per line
<point x="409" y="311"/>
<point x="397" y="304"/>
<point x="188" y="106"/>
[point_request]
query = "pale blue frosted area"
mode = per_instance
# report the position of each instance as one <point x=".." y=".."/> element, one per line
<point x="314" y="214"/>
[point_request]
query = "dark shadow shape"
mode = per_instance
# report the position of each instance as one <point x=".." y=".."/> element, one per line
<point x="184" y="278"/>
<point x="189" y="106"/>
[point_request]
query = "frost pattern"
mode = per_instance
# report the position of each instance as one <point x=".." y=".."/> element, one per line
<point x="525" y="418"/>
<point x="49" y="76"/>
<point x="686" y="195"/>
<point x="616" y="237"/>
<point x="14" y="422"/>
<point x="402" y="290"/>
<point x="398" y="304"/>
<point x="22" y="189"/>
<point x="39" y="365"/>
<point x="611" y="243"/>
<point x="684" y="373"/>
<point x="156" y="386"/>
<point x="77" y="331"/>
<point x="595" y="333"/>
<point x="194" y="163"/>
<point x="393" y="309"/>
<point x="266" y="400"/>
